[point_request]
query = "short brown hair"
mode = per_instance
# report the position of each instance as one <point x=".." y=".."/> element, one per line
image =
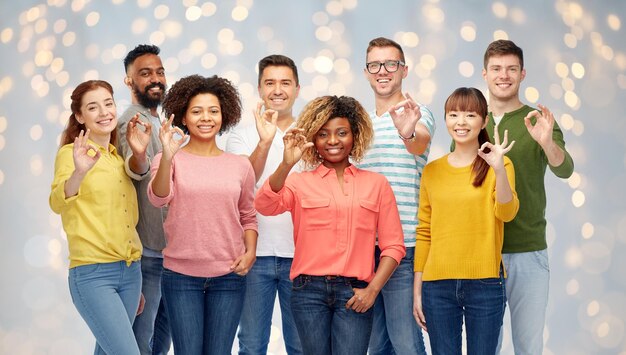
<point x="278" y="60"/>
<point x="384" y="42"/>
<point x="503" y="47"/>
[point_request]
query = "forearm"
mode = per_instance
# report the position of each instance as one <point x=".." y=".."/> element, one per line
<point x="554" y="153"/>
<point x="383" y="273"/>
<point x="258" y="158"/>
<point x="250" y="237"/>
<point x="417" y="283"/>
<point x="278" y="178"/>
<point x="161" y="182"/>
<point x="419" y="144"/>
<point x="139" y="164"/>
<point x="73" y="184"/>
<point x="504" y="193"/>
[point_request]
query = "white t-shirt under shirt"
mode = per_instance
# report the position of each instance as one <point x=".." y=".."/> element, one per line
<point x="276" y="232"/>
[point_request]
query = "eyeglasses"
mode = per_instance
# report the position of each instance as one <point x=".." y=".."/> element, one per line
<point x="391" y="66"/>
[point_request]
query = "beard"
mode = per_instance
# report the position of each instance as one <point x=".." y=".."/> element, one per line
<point x="145" y="99"/>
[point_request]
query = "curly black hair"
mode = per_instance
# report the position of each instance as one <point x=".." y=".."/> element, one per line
<point x="180" y="94"/>
<point x="138" y="52"/>
<point x="322" y="109"/>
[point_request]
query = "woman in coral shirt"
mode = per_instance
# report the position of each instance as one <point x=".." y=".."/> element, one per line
<point x="338" y="212"/>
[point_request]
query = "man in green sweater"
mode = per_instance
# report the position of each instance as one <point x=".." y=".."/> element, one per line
<point x="538" y="144"/>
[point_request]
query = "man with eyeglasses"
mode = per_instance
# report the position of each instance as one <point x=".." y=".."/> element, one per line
<point x="402" y="135"/>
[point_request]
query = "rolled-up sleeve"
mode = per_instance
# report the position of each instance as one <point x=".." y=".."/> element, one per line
<point x="63" y="169"/>
<point x="155" y="200"/>
<point x="270" y="203"/>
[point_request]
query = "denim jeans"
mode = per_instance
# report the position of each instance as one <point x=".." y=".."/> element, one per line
<point x="481" y="303"/>
<point x="152" y="340"/>
<point x="107" y="296"/>
<point x="527" y="286"/>
<point x="203" y="311"/>
<point x="395" y="331"/>
<point x="325" y="325"/>
<point x="269" y="275"/>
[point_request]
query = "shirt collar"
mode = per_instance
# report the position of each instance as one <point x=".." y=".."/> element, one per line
<point x="323" y="171"/>
<point x="111" y="147"/>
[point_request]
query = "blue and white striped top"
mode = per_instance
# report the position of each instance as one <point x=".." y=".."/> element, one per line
<point x="403" y="170"/>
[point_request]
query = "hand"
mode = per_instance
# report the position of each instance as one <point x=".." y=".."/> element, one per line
<point x="295" y="145"/>
<point x="495" y="157"/>
<point x="138" y="138"/>
<point x="142" y="303"/>
<point x="542" y="130"/>
<point x="362" y="300"/>
<point x="265" y="123"/>
<point x="418" y="313"/>
<point x="166" y="136"/>
<point x="405" y="120"/>
<point x="242" y="265"/>
<point x="83" y="162"/>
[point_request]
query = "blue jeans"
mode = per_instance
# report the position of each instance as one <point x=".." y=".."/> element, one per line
<point x="395" y="331"/>
<point x="269" y="274"/>
<point x="527" y="288"/>
<point x="203" y="311"/>
<point x="325" y="325"/>
<point x="107" y="297"/>
<point x="152" y="340"/>
<point x="446" y="303"/>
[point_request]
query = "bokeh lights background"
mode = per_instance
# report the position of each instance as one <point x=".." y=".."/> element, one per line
<point x="575" y="57"/>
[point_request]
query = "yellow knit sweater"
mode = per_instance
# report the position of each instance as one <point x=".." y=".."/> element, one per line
<point x="460" y="229"/>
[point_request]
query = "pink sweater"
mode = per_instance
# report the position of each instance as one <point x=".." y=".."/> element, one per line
<point x="210" y="205"/>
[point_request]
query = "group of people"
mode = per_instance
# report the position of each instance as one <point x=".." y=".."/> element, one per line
<point x="174" y="240"/>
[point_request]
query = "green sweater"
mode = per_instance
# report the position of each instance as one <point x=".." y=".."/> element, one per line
<point x="527" y="232"/>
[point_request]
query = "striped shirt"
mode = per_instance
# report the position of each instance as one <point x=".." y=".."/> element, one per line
<point x="403" y="170"/>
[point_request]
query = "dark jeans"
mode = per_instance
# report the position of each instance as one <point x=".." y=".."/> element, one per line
<point x="446" y="303"/>
<point x="325" y="325"/>
<point x="203" y="311"/>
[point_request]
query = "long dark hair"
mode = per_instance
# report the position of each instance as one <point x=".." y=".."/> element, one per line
<point x="73" y="128"/>
<point x="472" y="100"/>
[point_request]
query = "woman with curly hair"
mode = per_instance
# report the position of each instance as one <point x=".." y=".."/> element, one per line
<point x="211" y="226"/>
<point x="338" y="212"/>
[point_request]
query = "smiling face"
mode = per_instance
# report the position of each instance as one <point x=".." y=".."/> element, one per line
<point x="98" y="113"/>
<point x="146" y="79"/>
<point x="333" y="143"/>
<point x="464" y="126"/>
<point x="278" y="89"/>
<point x="384" y="83"/>
<point x="504" y="75"/>
<point x="203" y="117"/>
